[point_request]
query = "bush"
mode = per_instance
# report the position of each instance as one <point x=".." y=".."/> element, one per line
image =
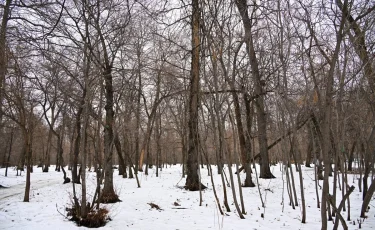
<point x="94" y="219"/>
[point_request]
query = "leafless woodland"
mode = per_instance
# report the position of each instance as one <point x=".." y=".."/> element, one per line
<point x="147" y="83"/>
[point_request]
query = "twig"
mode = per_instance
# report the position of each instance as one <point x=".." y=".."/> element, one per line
<point x="61" y="213"/>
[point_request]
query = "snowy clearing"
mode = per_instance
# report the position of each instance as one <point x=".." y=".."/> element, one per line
<point x="49" y="197"/>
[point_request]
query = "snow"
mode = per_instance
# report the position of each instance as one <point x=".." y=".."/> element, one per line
<point x="49" y="197"/>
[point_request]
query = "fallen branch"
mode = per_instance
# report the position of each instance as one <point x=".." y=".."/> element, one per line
<point x="338" y="210"/>
<point x="154" y="206"/>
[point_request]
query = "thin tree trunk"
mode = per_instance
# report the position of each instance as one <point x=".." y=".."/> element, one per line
<point x="9" y="151"/>
<point x="370" y="191"/>
<point x="48" y="149"/>
<point x="28" y="153"/>
<point x="265" y="171"/>
<point x="236" y="162"/>
<point x="232" y="181"/>
<point x="316" y="179"/>
<point x="327" y="120"/>
<point x="77" y="142"/>
<point x="303" y="220"/>
<point x="117" y="144"/>
<point x="351" y="156"/>
<point x="138" y="116"/>
<point x="158" y="144"/>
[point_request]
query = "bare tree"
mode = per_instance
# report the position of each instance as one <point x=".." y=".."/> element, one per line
<point x="192" y="179"/>
<point x="258" y="88"/>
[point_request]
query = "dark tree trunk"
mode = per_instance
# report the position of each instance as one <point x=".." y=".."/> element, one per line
<point x="47" y="153"/>
<point x="309" y="145"/>
<point x="122" y="164"/>
<point x="28" y="153"/>
<point x="249" y="118"/>
<point x="192" y="179"/>
<point x="77" y="142"/>
<point x="367" y="167"/>
<point x="3" y="61"/>
<point x="108" y="194"/>
<point x="158" y="145"/>
<point x="265" y="171"/>
<point x="9" y="151"/>
<point x="367" y="198"/>
<point x="351" y="156"/>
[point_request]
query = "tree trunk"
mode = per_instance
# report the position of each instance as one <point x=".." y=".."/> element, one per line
<point x="326" y="107"/>
<point x="158" y="144"/>
<point x="309" y="145"/>
<point x="151" y="120"/>
<point x="9" y="151"/>
<point x="108" y="194"/>
<point x="265" y="171"/>
<point x="75" y="176"/>
<point x="351" y="157"/>
<point x="244" y="146"/>
<point x="28" y="153"/>
<point x="3" y="56"/>
<point x="192" y="179"/>
<point x="138" y="116"/>
<point x="119" y="154"/>
<point x="48" y="150"/>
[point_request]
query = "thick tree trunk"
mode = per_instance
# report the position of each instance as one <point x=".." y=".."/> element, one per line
<point x="3" y="60"/>
<point x="192" y="179"/>
<point x="108" y="194"/>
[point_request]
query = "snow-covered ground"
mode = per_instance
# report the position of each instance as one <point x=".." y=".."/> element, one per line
<point x="49" y="197"/>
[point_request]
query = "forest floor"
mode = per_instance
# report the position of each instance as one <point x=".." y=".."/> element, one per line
<point x="49" y="198"/>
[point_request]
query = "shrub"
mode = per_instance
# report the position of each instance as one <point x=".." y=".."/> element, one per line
<point x="94" y="219"/>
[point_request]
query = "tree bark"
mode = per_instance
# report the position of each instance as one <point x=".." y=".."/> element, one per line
<point x="351" y="156"/>
<point x="108" y="194"/>
<point x="265" y="171"/>
<point x="192" y="179"/>
<point x="3" y="60"/>
<point x="75" y="177"/>
<point x="28" y="153"/>
<point x="9" y="151"/>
